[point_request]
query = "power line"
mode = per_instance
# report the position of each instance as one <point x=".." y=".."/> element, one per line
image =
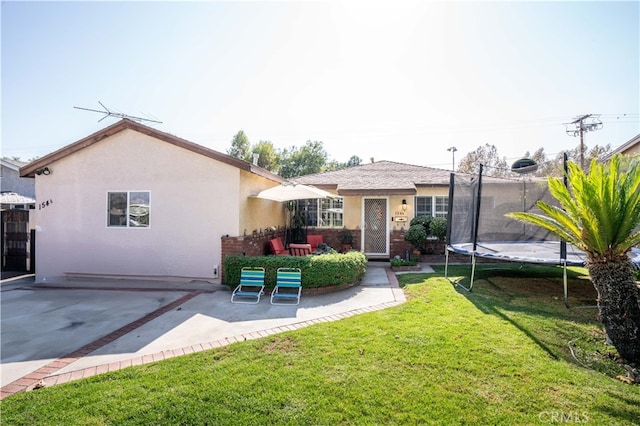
<point x="582" y="124"/>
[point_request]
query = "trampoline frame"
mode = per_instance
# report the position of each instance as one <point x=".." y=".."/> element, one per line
<point x="577" y="257"/>
<point x="562" y="260"/>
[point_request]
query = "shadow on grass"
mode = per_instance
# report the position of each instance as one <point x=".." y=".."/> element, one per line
<point x="530" y="297"/>
<point x="618" y="411"/>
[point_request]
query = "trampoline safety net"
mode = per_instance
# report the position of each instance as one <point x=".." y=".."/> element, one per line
<point x="477" y="223"/>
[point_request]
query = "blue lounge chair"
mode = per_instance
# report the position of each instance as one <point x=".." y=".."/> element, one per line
<point x="251" y="286"/>
<point x="288" y="287"/>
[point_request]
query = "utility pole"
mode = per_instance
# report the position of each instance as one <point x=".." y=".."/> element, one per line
<point x="582" y="126"/>
<point x="453" y="150"/>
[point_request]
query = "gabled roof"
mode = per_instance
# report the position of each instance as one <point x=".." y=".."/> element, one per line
<point x="624" y="147"/>
<point x="30" y="169"/>
<point x="378" y="178"/>
<point x="12" y="164"/>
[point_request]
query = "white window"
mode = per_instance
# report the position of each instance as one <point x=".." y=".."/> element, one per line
<point x="424" y="206"/>
<point x="128" y="209"/>
<point x="441" y="206"/>
<point x="323" y="212"/>
<point x="434" y="206"/>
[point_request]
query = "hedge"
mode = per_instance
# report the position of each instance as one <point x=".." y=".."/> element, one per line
<point x="325" y="270"/>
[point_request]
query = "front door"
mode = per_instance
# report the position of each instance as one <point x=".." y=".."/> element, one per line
<point x="375" y="235"/>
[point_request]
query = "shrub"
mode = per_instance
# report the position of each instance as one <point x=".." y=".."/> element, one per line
<point x="439" y="227"/>
<point x="401" y="262"/>
<point x="416" y="235"/>
<point x="423" y="220"/>
<point x="326" y="270"/>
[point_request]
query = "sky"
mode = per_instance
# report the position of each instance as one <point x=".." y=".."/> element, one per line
<point x="390" y="80"/>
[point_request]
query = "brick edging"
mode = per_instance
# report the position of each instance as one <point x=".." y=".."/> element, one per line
<point x="32" y="379"/>
<point x="58" y="379"/>
<point x="46" y="373"/>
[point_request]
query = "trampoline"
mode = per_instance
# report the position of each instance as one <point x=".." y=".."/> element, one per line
<point x="544" y="252"/>
<point x="477" y="225"/>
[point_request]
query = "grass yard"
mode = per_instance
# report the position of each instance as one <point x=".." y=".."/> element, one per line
<point x="498" y="355"/>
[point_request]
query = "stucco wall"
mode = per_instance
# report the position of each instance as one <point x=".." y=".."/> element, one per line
<point x="353" y="207"/>
<point x="632" y="150"/>
<point x="255" y="213"/>
<point x="193" y="202"/>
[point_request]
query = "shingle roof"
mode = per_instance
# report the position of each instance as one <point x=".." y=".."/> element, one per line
<point x="381" y="177"/>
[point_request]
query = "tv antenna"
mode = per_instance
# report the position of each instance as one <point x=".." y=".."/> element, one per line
<point x="108" y="113"/>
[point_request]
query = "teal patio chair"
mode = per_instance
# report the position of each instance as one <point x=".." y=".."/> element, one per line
<point x="251" y="286"/>
<point x="288" y="287"/>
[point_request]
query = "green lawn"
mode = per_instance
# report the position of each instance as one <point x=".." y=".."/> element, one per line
<point x="498" y="355"/>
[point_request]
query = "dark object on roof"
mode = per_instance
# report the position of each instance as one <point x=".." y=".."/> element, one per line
<point x="524" y="165"/>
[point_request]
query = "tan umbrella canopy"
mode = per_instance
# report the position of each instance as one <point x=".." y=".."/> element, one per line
<point x="291" y="191"/>
<point x="12" y="198"/>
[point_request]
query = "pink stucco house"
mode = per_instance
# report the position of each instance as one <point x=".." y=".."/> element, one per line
<point x="132" y="201"/>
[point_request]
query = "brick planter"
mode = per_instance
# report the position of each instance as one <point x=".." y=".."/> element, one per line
<point x="406" y="268"/>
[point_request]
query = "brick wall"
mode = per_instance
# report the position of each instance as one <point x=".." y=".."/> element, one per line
<point x="398" y="246"/>
<point x="258" y="244"/>
<point x="331" y="237"/>
<point x="248" y="245"/>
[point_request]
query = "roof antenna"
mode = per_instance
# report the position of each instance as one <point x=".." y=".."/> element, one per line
<point x="108" y="113"/>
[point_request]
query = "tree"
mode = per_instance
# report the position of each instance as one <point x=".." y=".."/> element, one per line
<point x="333" y="165"/>
<point x="598" y="213"/>
<point x="486" y="155"/>
<point x="556" y="167"/>
<point x="545" y="167"/>
<point x="268" y="157"/>
<point x="354" y="161"/>
<point x="240" y="147"/>
<point x="336" y="165"/>
<point x="304" y="161"/>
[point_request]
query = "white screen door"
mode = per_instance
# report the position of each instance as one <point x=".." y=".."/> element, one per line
<point x="375" y="236"/>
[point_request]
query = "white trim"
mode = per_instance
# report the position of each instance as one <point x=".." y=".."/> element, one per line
<point x="433" y="204"/>
<point x="128" y="192"/>
<point x="11" y="165"/>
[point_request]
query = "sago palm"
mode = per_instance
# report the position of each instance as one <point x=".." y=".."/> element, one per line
<point x="599" y="213"/>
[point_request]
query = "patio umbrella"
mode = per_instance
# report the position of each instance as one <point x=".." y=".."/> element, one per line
<point x="291" y="191"/>
<point x="12" y="198"/>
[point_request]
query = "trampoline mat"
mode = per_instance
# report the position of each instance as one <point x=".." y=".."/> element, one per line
<point x="523" y="251"/>
<point x="531" y="252"/>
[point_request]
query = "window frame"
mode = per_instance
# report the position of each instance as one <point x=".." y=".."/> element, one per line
<point x="435" y="203"/>
<point x="439" y="202"/>
<point x="321" y="211"/>
<point x="127" y="210"/>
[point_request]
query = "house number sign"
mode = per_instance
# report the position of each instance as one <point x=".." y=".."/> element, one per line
<point x="45" y="204"/>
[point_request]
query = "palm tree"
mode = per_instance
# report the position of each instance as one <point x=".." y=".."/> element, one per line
<point x="598" y="213"/>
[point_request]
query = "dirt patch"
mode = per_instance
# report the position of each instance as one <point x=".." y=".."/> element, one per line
<point x="280" y="344"/>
